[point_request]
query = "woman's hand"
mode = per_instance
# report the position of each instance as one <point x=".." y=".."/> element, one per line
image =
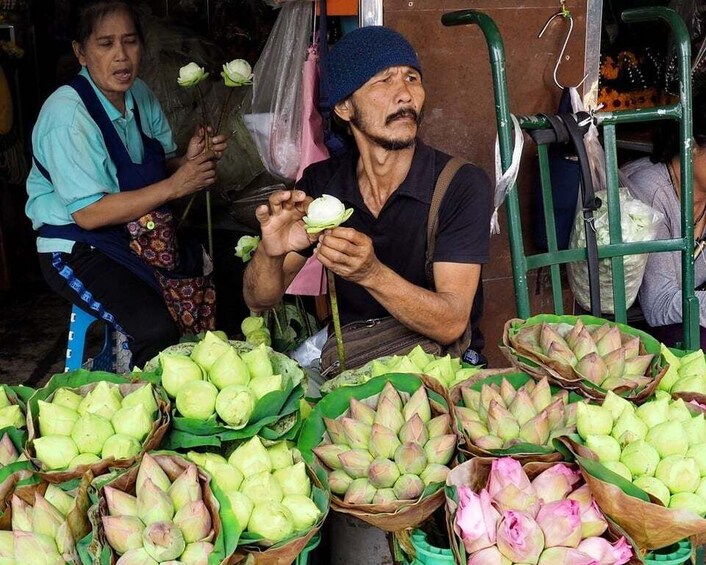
<point x="197" y="143"/>
<point x="194" y="174"/>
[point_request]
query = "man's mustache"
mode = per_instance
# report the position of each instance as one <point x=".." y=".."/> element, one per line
<point x="403" y="113"/>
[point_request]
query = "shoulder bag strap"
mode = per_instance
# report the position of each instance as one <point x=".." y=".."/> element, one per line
<point x="442" y="185"/>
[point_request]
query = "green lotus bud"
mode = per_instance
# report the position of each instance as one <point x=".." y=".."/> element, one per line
<point x="679" y="474"/>
<point x="692" y="383"/>
<point x="120" y="447"/>
<point x="411" y="458"/>
<point x="242" y="507"/>
<point x="90" y="433"/>
<point x="653" y="412"/>
<point x="488" y="395"/>
<point x="439" y="426"/>
<point x="475" y="430"/>
<point x="67" y="398"/>
<point x="606" y="447"/>
<point x="235" y="405"/>
<point x="120" y="503"/>
<point x="501" y="423"/>
<point x="536" y="430"/>
<point x="83" y="459"/>
<point x="205" y="459"/>
<point x="640" y="457"/>
<point x="134" y="421"/>
<point x="418" y="405"/>
<point x="4" y="400"/>
<point x="325" y="212"/>
<point x="357" y="433"/>
<point x="177" y="370"/>
<point x="21" y="514"/>
<point x="8" y="451"/>
<point x="294" y="479"/>
<point x="55" y="452"/>
<point x="185" y="488"/>
<point x="688" y="501"/>
<point x="329" y="452"/>
<point x="670" y="377"/>
<point x="593" y="420"/>
<point x="467" y="414"/>
<point x="384" y="496"/>
<point x="678" y="411"/>
<point x="11" y="417"/>
<point x="45" y="518"/>
<point x="701" y="489"/>
<point x="280" y="455"/>
<point x="618" y="468"/>
<point x="258" y="362"/>
<point x="226" y="477"/>
<point x="378" y="368"/>
<point x="609" y="341"/>
<point x="197" y="400"/>
<point x="695" y="430"/>
<point x="548" y="335"/>
<point x="562" y="354"/>
<point x="208" y="350"/>
<point x="151" y="469"/>
<point x="196" y="553"/>
<point x="36" y="549"/>
<point x="7" y="547"/>
<point x="383" y="442"/>
<point x="653" y="486"/>
<point x="592" y="368"/>
<point x="260" y="386"/>
<point x="229" y="369"/>
<point x="522" y="407"/>
<point x="271" y="520"/>
<point x="414" y="431"/>
<point x="698" y="453"/>
<point x="638" y="365"/>
<point x="668" y="438"/>
<point x="420" y="357"/>
<point x="104" y="400"/>
<point x="304" y="512"/>
<point x="388" y="414"/>
<point x="434" y="473"/>
<point x="262" y="487"/>
<point x="335" y="431"/>
<point x="442" y="369"/>
<point x="583" y="344"/>
<point x="556" y="413"/>
<point x="615" y="363"/>
<point x="163" y="541"/>
<point x="616" y="405"/>
<point x="55" y="419"/>
<point x="471" y="398"/>
<point x="194" y="521"/>
<point x="408" y="487"/>
<point x="628" y="428"/>
<point x="339" y="481"/>
<point x="383" y="473"/>
<point x="404" y="365"/>
<point x="361" y="412"/>
<point x="489" y="442"/>
<point x="136" y="557"/>
<point x="251" y="324"/>
<point x="440" y="449"/>
<point x="251" y="457"/>
<point x="356" y="462"/>
<point x="693" y="364"/>
<point x="123" y="532"/>
<point x="573" y="334"/>
<point x="360" y="491"/>
<point x="153" y="504"/>
<point x="59" y="499"/>
<point x="143" y="396"/>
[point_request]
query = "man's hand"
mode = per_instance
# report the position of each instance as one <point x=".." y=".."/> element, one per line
<point x="281" y="223"/>
<point x="349" y="254"/>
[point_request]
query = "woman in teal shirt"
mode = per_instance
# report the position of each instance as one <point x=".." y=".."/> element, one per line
<point x="103" y="156"/>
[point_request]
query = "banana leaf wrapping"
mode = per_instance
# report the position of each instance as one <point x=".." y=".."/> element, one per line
<point x="82" y="382"/>
<point x="24" y="484"/>
<point x="646" y="520"/>
<point x="524" y="452"/>
<point x="397" y="516"/>
<point x="520" y="346"/>
<point x="475" y="473"/>
<point x="276" y="415"/>
<point x="125" y="480"/>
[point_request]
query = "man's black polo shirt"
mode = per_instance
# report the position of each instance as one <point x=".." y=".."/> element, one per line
<point x="399" y="233"/>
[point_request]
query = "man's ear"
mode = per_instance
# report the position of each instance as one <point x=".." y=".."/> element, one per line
<point x="79" y="53"/>
<point x="344" y="110"/>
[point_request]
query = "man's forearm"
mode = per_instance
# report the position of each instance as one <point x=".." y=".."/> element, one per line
<point x="263" y="282"/>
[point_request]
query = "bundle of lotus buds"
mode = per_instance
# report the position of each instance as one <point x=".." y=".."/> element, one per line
<point x="40" y="531"/>
<point x="269" y="493"/>
<point x="499" y="416"/>
<point x="550" y="520"/>
<point x="11" y="415"/>
<point x="387" y="448"/>
<point x="215" y="379"/>
<point x="77" y="430"/>
<point x="601" y="354"/>
<point x="163" y="520"/>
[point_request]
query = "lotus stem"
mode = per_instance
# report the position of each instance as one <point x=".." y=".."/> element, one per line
<point x="336" y="321"/>
<point x="187" y="209"/>
<point x="204" y="118"/>
<point x="209" y="223"/>
<point x="223" y="111"/>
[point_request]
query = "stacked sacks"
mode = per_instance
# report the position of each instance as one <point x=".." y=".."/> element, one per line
<point x="161" y="510"/>
<point x="96" y="425"/>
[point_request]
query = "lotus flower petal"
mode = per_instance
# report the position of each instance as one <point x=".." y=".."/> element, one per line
<point x="556" y="413"/>
<point x="335" y="431"/>
<point x="414" y="431"/>
<point x="194" y="521"/>
<point x="388" y="414"/>
<point x="471" y="398"/>
<point x="519" y="537"/>
<point x="163" y="541"/>
<point x="489" y="556"/>
<point x="628" y="428"/>
<point x="440" y="449"/>
<point x="592" y="368"/>
<point x="45" y="518"/>
<point x="294" y="479"/>
<point x="251" y="457"/>
<point x="489" y="442"/>
<point x="640" y="457"/>
<point x="123" y="532"/>
<point x="638" y="365"/>
<point x="501" y="423"/>
<point x="418" y="405"/>
<point x="408" y="487"/>
<point x="609" y="341"/>
<point x="509" y="486"/>
<point x="120" y="503"/>
<point x="383" y="473"/>
<point x="136" y="557"/>
<point x="196" y="553"/>
<point x="36" y="549"/>
<point x="434" y="473"/>
<point x="476" y="519"/>
<point x="522" y="407"/>
<point x="8" y="452"/>
<point x="555" y="483"/>
<point x="606" y="553"/>
<point x="21" y="514"/>
<point x="185" y="488"/>
<point x="328" y="453"/>
<point x="262" y="487"/>
<point x="356" y="462"/>
<point x="438" y="426"/>
<point x="242" y="507"/>
<point x="411" y="458"/>
<point x="390" y="393"/>
<point x="384" y="496"/>
<point x="150" y="469"/>
<point x="383" y="442"/>
<point x="357" y="433"/>
<point x="536" y="430"/>
<point x="508" y="392"/>
<point x="339" y="481"/>
<point x="593" y="420"/>
<point x="593" y="523"/>
<point x="475" y="430"/>
<point x="654" y="412"/>
<point x="60" y="500"/>
<point x="584" y="345"/>
<point x="574" y="333"/>
<point x="153" y="504"/>
<point x="143" y="396"/>
<point x="565" y="556"/>
<point x="561" y="523"/>
<point x="360" y="491"/>
<point x="361" y="412"/>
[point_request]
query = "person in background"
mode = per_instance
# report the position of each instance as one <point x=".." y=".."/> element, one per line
<point x="103" y="156"/>
<point x="656" y="181"/>
<point x="388" y="177"/>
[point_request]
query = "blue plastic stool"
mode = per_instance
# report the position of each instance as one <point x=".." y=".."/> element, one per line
<point x="79" y="322"/>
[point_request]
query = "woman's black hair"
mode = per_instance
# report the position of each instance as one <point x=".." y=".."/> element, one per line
<point x="90" y="12"/>
<point x="667" y="140"/>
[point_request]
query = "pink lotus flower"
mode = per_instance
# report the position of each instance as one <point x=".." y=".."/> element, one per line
<point x="606" y="553"/>
<point x="593" y="523"/>
<point x="560" y="523"/>
<point x="520" y="538"/>
<point x="555" y="483"/>
<point x="476" y="519"/>
<point x="565" y="556"/>
<point x="489" y="556"/>
<point x="510" y="488"/>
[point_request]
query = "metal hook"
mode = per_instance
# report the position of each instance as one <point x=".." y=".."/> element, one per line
<point x="566" y="14"/>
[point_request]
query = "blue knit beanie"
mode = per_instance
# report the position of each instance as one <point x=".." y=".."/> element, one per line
<point x="363" y="53"/>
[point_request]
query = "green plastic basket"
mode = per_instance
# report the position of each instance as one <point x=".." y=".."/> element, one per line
<point x="672" y="555"/>
<point x="427" y="554"/>
<point x="303" y="558"/>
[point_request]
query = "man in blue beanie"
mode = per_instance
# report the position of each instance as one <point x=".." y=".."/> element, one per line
<point x="388" y="178"/>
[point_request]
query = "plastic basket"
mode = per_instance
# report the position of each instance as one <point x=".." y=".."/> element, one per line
<point x="427" y="554"/>
<point x="672" y="555"/>
<point x="303" y="558"/>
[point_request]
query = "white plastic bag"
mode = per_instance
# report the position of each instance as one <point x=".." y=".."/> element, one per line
<point x="639" y="222"/>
